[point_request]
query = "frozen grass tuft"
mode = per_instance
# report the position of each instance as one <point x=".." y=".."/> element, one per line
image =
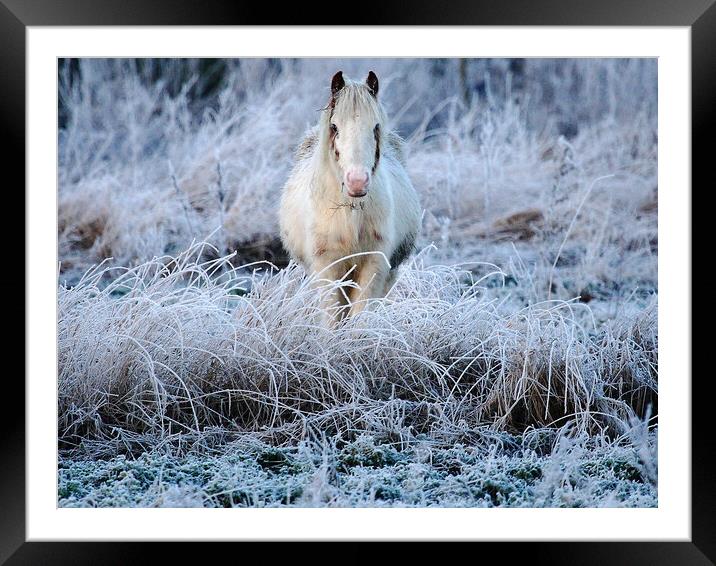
<point x="178" y="345"/>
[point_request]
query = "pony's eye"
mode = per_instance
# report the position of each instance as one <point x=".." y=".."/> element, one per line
<point x="334" y="128"/>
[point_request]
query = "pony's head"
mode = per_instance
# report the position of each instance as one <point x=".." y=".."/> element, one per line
<point x="352" y="128"/>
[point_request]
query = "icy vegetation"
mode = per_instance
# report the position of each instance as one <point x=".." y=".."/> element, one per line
<point x="514" y="363"/>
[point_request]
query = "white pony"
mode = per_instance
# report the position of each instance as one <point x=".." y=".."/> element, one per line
<point x="349" y="194"/>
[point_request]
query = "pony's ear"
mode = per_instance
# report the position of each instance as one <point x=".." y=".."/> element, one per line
<point x="337" y="83"/>
<point x="372" y="82"/>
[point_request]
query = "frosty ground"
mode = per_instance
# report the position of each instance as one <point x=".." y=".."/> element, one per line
<point x="513" y="364"/>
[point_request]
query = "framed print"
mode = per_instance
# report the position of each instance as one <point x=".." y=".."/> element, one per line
<point x="386" y="281"/>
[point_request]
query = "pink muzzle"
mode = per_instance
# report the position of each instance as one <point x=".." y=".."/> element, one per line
<point x="357" y="183"/>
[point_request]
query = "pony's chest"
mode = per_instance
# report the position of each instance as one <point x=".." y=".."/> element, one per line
<point x="348" y="229"/>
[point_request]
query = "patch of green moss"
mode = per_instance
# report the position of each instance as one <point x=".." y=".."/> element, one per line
<point x="497" y="492"/>
<point x="235" y="498"/>
<point x="387" y="493"/>
<point x="273" y="459"/>
<point x="363" y="452"/>
<point x="622" y="469"/>
<point x="529" y="472"/>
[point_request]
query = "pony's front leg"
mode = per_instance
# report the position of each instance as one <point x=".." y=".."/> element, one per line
<point x="334" y="301"/>
<point x="371" y="279"/>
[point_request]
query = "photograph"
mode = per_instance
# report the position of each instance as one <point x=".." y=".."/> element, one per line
<point x="357" y="282"/>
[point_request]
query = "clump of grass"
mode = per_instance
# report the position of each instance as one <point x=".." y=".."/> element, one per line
<point x="178" y="351"/>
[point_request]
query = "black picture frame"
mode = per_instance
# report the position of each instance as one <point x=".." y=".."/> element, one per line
<point x="17" y="15"/>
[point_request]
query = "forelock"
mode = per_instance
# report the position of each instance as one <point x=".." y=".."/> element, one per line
<point x="356" y="99"/>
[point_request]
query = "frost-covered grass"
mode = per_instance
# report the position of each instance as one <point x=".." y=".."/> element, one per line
<point x="513" y="363"/>
<point x="174" y="357"/>
<point x="177" y="346"/>
<point x="514" y="472"/>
